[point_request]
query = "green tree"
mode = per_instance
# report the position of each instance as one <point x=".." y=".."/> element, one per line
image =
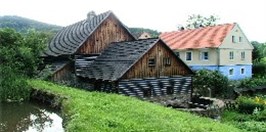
<point x="259" y="51"/>
<point x="210" y="83"/>
<point x="138" y="31"/>
<point x="19" y="59"/>
<point x="197" y="21"/>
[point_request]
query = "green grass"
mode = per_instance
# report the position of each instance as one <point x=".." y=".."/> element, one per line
<point x="100" y="112"/>
<point x="246" y="122"/>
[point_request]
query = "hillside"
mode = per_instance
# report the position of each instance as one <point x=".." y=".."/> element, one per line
<point x="85" y="111"/>
<point x="22" y="24"/>
<point x="138" y="31"/>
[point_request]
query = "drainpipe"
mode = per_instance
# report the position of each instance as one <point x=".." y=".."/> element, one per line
<point x="218" y="59"/>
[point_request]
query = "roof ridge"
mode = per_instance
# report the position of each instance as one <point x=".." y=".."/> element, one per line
<point x="136" y="40"/>
<point x="221" y="24"/>
<point x="204" y="37"/>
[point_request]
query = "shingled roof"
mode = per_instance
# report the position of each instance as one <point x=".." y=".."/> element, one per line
<point x="207" y="37"/>
<point x="70" y="38"/>
<point x="117" y="59"/>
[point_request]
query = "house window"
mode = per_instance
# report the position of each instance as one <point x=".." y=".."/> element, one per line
<point x="204" y="56"/>
<point x="242" y="70"/>
<point x="169" y="90"/>
<point x="231" y="55"/>
<point x="188" y="56"/>
<point x="233" y="39"/>
<point x="177" y="54"/>
<point x="240" y="39"/>
<point x="147" y="92"/>
<point x="243" y="55"/>
<point x="231" y="71"/>
<point x="151" y="62"/>
<point x="167" y="61"/>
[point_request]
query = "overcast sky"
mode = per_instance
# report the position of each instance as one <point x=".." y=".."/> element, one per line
<point x="160" y="15"/>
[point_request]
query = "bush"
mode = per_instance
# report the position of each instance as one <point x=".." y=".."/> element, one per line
<point x="259" y="69"/>
<point x="210" y="83"/>
<point x="252" y="82"/>
<point x="13" y="86"/>
<point x="248" y="105"/>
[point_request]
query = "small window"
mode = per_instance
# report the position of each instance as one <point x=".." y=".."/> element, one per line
<point x="147" y="92"/>
<point x="188" y="56"/>
<point x="233" y="39"/>
<point x="242" y="71"/>
<point x="151" y="62"/>
<point x="169" y="90"/>
<point x="231" y="71"/>
<point x="243" y="55"/>
<point x="177" y="54"/>
<point x="204" y="56"/>
<point x="240" y="39"/>
<point x="231" y="55"/>
<point x="167" y="61"/>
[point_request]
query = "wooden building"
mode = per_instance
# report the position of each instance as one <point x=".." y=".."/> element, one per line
<point x="88" y="37"/>
<point x="142" y="68"/>
<point x="101" y="54"/>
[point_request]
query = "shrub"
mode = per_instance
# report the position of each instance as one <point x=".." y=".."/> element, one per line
<point x="248" y="105"/>
<point x="259" y="69"/>
<point x="13" y="86"/>
<point x="206" y="81"/>
<point x="252" y="82"/>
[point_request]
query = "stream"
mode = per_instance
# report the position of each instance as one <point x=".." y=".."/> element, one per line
<point x="29" y="117"/>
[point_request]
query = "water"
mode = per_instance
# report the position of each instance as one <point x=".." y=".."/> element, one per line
<point x="29" y="117"/>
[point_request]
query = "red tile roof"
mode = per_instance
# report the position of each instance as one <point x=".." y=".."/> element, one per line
<point x="207" y="37"/>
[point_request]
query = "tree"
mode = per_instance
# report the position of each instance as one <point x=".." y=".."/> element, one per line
<point x="138" y="31"/>
<point x="210" y="83"/>
<point x="197" y="21"/>
<point x="258" y="52"/>
<point x="19" y="58"/>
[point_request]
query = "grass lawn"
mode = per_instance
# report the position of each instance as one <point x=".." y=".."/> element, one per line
<point x="246" y="122"/>
<point x="94" y="111"/>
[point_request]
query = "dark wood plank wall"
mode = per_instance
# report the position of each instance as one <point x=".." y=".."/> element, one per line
<point x="109" y="31"/>
<point x="63" y="73"/>
<point x="142" y="69"/>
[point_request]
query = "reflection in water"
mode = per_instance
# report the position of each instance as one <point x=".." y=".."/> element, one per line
<point x="28" y="117"/>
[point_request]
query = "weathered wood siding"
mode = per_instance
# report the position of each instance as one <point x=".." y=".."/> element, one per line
<point x="142" y="69"/>
<point x="109" y="31"/>
<point x="63" y="74"/>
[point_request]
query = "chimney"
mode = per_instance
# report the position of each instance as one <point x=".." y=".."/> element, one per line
<point x="90" y="15"/>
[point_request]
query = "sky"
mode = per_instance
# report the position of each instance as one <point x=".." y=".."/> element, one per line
<point x="160" y="15"/>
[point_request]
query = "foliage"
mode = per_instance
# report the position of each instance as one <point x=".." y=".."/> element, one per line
<point x="259" y="69"/>
<point x="254" y="123"/>
<point x="206" y="81"/>
<point x="22" y="25"/>
<point x="252" y="82"/>
<point x="138" y="31"/>
<point x="259" y="51"/>
<point x="250" y="114"/>
<point x="19" y="58"/>
<point x="249" y="105"/>
<point x="197" y="21"/>
<point x="95" y="111"/>
<point x="13" y="87"/>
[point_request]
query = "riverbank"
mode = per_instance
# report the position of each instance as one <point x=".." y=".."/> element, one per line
<point x="95" y="111"/>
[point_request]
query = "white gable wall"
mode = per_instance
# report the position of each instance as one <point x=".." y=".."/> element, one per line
<point x="236" y="47"/>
